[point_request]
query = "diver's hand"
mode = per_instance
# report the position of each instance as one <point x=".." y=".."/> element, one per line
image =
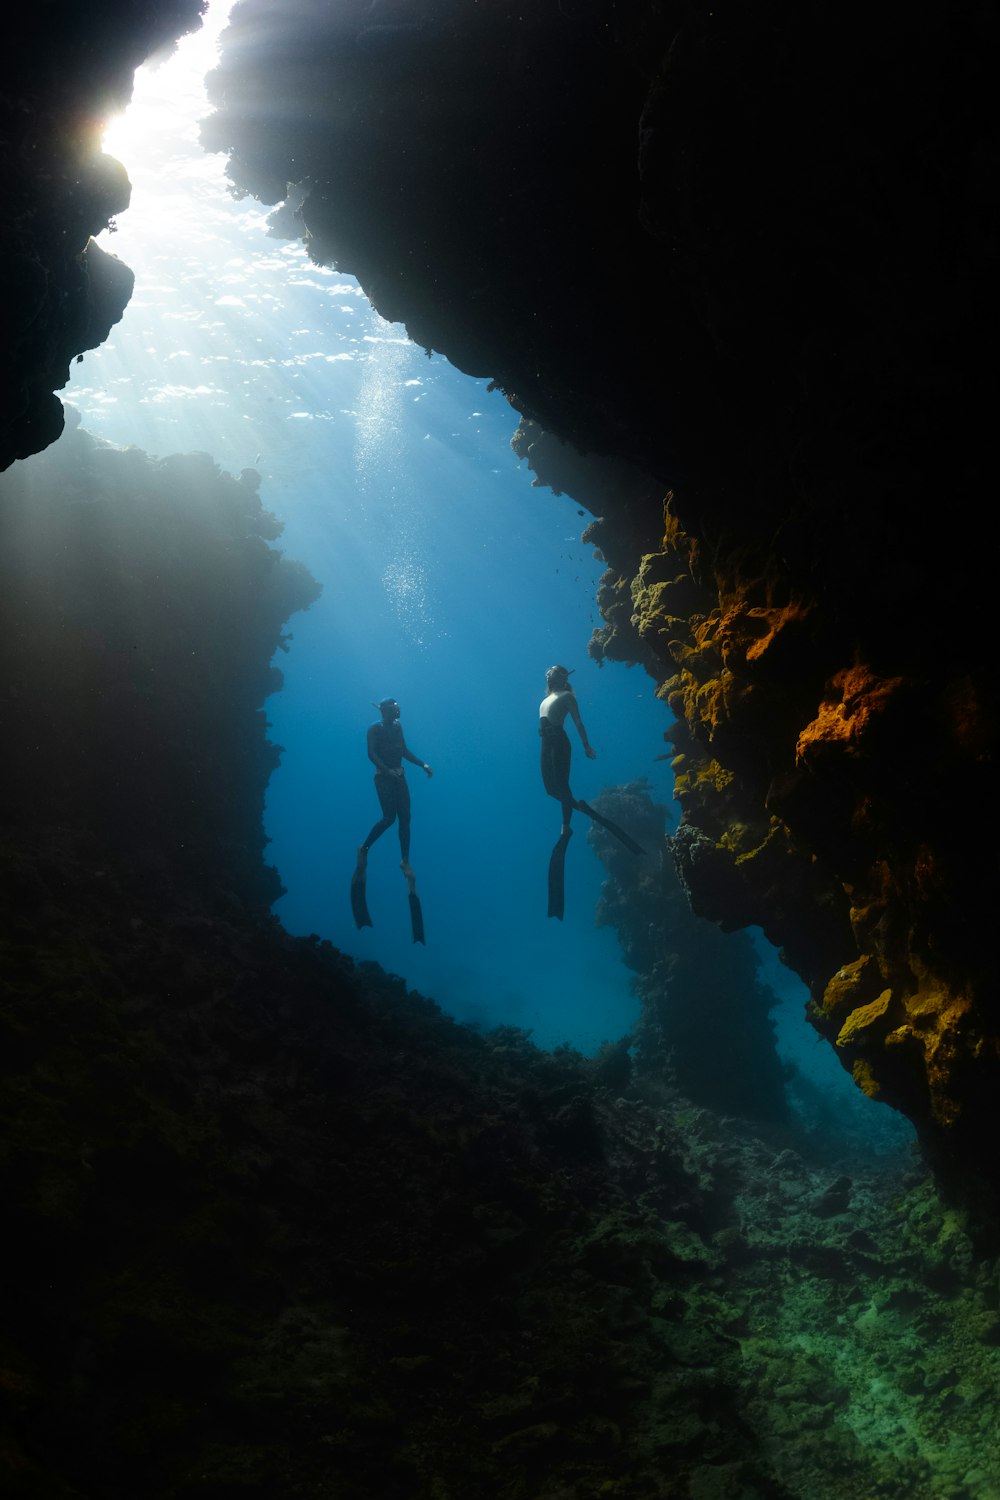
<point x="428" y="770"/>
<point x="590" y="752"/>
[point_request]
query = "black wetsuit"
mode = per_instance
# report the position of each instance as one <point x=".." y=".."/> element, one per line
<point x="556" y="757"/>
<point x="387" y="749"/>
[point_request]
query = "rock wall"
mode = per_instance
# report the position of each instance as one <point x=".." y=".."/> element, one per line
<point x="749" y="253"/>
<point x="274" y="1226"/>
<point x="705" y="1015"/>
<point x="67" y="69"/>
<point x="140" y="608"/>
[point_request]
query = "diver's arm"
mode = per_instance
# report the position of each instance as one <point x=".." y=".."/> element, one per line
<point x="415" y="759"/>
<point x="588" y="749"/>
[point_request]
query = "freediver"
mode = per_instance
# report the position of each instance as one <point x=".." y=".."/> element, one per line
<point x="387" y="749"/>
<point x="556" y="707"/>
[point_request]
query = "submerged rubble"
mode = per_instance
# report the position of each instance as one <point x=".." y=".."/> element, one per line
<point x="274" y="1222"/>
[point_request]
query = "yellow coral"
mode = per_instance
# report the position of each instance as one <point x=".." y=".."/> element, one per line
<point x="845" y="720"/>
<point x="864" y="1077"/>
<point x="861" y="1019"/>
<point x="851" y="986"/>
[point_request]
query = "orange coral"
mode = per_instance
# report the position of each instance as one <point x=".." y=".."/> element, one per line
<point x="846" y="719"/>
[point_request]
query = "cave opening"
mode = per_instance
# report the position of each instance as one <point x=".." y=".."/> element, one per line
<point x="448" y="581"/>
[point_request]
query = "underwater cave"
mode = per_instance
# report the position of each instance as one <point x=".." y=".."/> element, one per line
<point x="360" y="349"/>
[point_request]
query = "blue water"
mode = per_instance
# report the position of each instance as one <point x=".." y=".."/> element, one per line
<point x="450" y="584"/>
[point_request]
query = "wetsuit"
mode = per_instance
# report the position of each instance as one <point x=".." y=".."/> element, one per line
<point x="387" y="750"/>
<point x="556" y="749"/>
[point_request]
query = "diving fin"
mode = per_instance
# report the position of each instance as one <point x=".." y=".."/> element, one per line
<point x="359" y="899"/>
<point x="416" y="918"/>
<point x="557" y="876"/>
<point x="612" y="828"/>
<point x="416" y="911"/>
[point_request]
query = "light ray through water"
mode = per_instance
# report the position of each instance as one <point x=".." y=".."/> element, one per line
<point x="448" y="582"/>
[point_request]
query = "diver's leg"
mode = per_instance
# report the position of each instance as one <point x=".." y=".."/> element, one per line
<point x="555" y="763"/>
<point x="359" y="900"/>
<point x="387" y="802"/>
<point x="403" y="807"/>
<point x="380" y="827"/>
<point x="562" y="763"/>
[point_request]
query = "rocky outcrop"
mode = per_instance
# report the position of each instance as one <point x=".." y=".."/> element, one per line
<point x="794" y="212"/>
<point x="140" y="608"/>
<point x="704" y="1017"/>
<point x="275" y="1225"/>
<point x="67" y="69"/>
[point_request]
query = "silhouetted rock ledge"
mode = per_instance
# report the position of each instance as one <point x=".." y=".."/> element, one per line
<point x="67" y="68"/>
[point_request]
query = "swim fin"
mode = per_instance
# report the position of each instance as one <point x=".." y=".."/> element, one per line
<point x="557" y="876"/>
<point x="416" y="918"/>
<point x="613" y="828"/>
<point x="416" y="910"/>
<point x="359" y="898"/>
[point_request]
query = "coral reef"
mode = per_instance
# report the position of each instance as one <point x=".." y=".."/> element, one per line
<point x="705" y="1014"/>
<point x="275" y="1226"/>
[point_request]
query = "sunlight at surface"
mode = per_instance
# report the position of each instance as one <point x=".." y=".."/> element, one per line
<point x="169" y="96"/>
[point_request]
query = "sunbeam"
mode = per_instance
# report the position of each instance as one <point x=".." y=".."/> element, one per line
<point x="394" y="479"/>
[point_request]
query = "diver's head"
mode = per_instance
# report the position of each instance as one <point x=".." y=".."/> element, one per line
<point x="557" y="679"/>
<point x="389" y="709"/>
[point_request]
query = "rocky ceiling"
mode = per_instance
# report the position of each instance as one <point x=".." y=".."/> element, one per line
<point x="742" y="261"/>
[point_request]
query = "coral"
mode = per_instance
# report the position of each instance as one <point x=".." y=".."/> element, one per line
<point x="277" y="1223"/>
